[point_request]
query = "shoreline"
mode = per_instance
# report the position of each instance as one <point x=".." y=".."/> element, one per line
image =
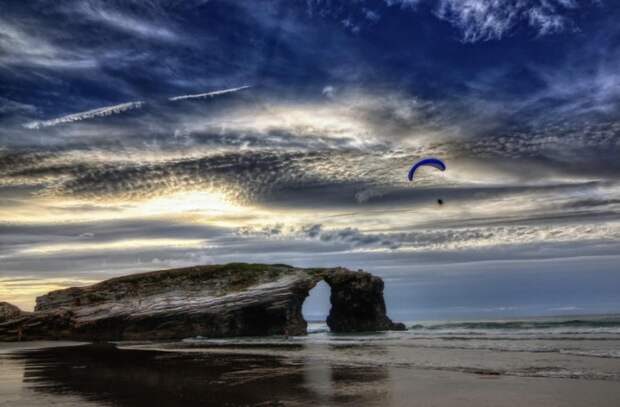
<point x="124" y="375"/>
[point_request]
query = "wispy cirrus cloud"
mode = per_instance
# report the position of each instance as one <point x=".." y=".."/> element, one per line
<point x="483" y="20"/>
<point x="477" y="20"/>
<point x="156" y="27"/>
<point x="24" y="44"/>
<point x="10" y="107"/>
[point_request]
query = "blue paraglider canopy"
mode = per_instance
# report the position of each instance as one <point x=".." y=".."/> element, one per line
<point x="433" y="162"/>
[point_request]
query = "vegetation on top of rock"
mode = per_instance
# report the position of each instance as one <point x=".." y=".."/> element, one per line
<point x="223" y="279"/>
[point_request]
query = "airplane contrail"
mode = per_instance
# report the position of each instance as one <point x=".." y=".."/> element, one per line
<point x="89" y="114"/>
<point x="208" y="94"/>
<point x="120" y="108"/>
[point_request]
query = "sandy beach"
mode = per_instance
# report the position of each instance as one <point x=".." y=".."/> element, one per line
<point x="284" y="372"/>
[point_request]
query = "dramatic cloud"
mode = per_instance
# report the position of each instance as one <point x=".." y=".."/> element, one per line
<point x="162" y="134"/>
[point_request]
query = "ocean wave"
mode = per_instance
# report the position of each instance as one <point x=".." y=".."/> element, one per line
<point x="543" y="372"/>
<point x="534" y="336"/>
<point x="521" y="325"/>
<point x="563" y="373"/>
<point x="520" y="347"/>
<point x="607" y="354"/>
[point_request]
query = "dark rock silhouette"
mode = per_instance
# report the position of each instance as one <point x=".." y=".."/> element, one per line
<point x="235" y="299"/>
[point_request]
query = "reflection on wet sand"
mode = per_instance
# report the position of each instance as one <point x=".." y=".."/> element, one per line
<point x="332" y="383"/>
<point x="104" y="374"/>
<point x="315" y="374"/>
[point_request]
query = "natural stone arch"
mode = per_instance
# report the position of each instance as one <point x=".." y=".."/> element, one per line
<point x="234" y="299"/>
<point x="357" y="302"/>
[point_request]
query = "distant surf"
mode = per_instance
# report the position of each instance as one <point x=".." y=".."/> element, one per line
<point x="591" y="323"/>
<point x="547" y="328"/>
<point x="590" y="336"/>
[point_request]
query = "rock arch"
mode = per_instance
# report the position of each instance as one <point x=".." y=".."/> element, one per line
<point x="236" y="299"/>
<point x="357" y="302"/>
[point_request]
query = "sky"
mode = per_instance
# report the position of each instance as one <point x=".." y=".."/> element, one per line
<point x="143" y="135"/>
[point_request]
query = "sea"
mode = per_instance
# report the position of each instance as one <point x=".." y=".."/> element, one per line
<point x="511" y="347"/>
<point x="569" y="361"/>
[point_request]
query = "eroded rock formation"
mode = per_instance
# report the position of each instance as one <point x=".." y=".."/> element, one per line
<point x="8" y="311"/>
<point x="357" y="303"/>
<point x="213" y="301"/>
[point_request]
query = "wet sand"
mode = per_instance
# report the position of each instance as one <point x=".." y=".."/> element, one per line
<point x="104" y="375"/>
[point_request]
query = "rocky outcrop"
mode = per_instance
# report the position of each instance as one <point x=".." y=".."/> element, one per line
<point x="8" y="311"/>
<point x="213" y="301"/>
<point x="357" y="303"/>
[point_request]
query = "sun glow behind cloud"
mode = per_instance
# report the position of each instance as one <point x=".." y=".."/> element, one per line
<point x="46" y="209"/>
<point x="210" y="202"/>
<point x="111" y="246"/>
<point x="23" y="290"/>
<point x="308" y="165"/>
